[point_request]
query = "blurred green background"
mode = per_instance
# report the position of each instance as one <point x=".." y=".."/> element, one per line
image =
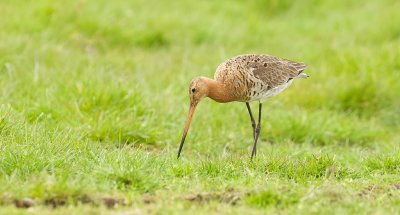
<point x="94" y="98"/>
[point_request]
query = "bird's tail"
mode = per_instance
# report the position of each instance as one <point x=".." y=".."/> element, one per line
<point x="303" y="75"/>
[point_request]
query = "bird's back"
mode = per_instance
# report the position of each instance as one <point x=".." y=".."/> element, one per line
<point x="254" y="77"/>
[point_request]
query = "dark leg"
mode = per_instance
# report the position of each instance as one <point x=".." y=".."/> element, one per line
<point x="257" y="132"/>
<point x="253" y="122"/>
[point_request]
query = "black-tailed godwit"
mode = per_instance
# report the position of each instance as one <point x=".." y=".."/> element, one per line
<point x="244" y="78"/>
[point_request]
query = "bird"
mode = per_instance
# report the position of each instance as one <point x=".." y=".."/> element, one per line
<point x="244" y="78"/>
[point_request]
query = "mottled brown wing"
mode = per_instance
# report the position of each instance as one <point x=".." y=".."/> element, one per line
<point x="275" y="72"/>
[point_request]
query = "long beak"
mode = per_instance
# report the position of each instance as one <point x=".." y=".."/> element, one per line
<point x="188" y="120"/>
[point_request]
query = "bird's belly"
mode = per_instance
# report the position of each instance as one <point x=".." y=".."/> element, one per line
<point x="264" y="93"/>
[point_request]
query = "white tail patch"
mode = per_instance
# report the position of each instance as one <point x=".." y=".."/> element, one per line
<point x="303" y="75"/>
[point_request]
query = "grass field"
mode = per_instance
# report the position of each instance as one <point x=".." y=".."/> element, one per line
<point x="93" y="100"/>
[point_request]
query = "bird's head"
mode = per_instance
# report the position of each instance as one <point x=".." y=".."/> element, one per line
<point x="198" y="89"/>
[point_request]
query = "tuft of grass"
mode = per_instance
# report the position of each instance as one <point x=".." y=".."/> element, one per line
<point x="272" y="198"/>
<point x="306" y="167"/>
<point x="383" y="164"/>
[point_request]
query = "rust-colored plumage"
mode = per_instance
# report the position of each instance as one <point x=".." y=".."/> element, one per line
<point x="244" y="78"/>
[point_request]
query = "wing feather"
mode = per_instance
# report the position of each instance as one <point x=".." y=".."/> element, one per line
<point x="271" y="70"/>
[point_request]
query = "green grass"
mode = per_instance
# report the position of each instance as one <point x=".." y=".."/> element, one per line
<point x="93" y="100"/>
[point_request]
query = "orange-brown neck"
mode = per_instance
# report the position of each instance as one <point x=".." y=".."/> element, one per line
<point x="218" y="92"/>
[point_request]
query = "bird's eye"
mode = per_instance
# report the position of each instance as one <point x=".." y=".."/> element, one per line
<point x="193" y="90"/>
